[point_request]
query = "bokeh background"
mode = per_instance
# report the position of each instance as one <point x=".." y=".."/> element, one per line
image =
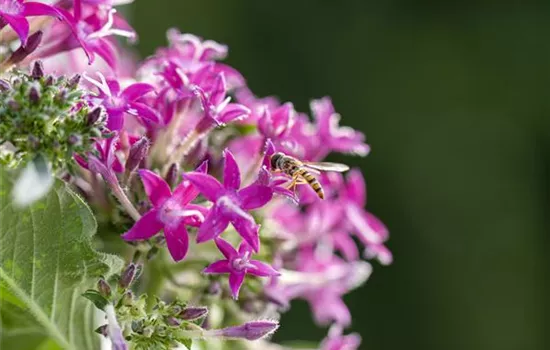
<point x="454" y="98"/>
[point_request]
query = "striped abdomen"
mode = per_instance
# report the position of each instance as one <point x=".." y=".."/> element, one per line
<point x="311" y="180"/>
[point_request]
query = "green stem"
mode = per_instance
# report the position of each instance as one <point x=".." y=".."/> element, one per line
<point x="155" y="279"/>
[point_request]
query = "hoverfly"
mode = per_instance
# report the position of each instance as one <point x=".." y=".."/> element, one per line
<point x="301" y="171"/>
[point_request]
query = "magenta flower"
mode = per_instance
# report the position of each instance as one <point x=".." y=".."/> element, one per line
<point x="105" y="162"/>
<point x="231" y="205"/>
<point x="217" y="107"/>
<point x="117" y="102"/>
<point x="171" y="212"/>
<point x="237" y="264"/>
<point x="333" y="136"/>
<point x="92" y="33"/>
<point x="14" y="12"/>
<point x="337" y="341"/>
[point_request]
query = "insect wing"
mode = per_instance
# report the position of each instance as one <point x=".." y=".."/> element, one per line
<point x="327" y="166"/>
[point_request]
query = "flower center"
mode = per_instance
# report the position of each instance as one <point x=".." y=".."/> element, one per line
<point x="241" y="263"/>
<point x="11" y="7"/>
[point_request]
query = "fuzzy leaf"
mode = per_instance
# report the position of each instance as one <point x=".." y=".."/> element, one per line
<point x="93" y="295"/>
<point x="46" y="263"/>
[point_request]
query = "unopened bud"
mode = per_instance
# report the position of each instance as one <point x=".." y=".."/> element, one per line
<point x="128" y="298"/>
<point x="37" y="70"/>
<point x="104" y="288"/>
<point x="4" y="85"/>
<point x="74" y="81"/>
<point x="102" y="330"/>
<point x="172" y="321"/>
<point x="93" y="116"/>
<point x="14" y="105"/>
<point x="193" y="313"/>
<point x="127" y="276"/>
<point x="61" y="96"/>
<point x="138" y="151"/>
<point x="75" y="140"/>
<point x="214" y="288"/>
<point x="34" y="95"/>
<point x="50" y="80"/>
<point x="34" y="142"/>
<point x="172" y="175"/>
<point x="23" y="51"/>
<point x="251" y="330"/>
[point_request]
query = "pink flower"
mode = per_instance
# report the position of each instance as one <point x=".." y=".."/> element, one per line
<point x="337" y="341"/>
<point x="14" y="12"/>
<point x="237" y="264"/>
<point x="171" y="212"/>
<point x="104" y="162"/>
<point x="117" y="102"/>
<point x="231" y="205"/>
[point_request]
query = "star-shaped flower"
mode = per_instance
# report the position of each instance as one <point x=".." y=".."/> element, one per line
<point x="104" y="162"/>
<point x="14" y="13"/>
<point x="117" y="102"/>
<point x="237" y="264"/>
<point x="171" y="212"/>
<point x="231" y="205"/>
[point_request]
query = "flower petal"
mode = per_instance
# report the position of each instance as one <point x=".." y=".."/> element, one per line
<point x="235" y="282"/>
<point x="261" y="269"/>
<point x="213" y="225"/>
<point x="225" y="248"/>
<point x="356" y="189"/>
<point x="206" y="184"/>
<point x="143" y="111"/>
<point x="186" y="191"/>
<point x="220" y="266"/>
<point x="40" y="9"/>
<point x="255" y="196"/>
<point x="233" y="112"/>
<point x="248" y="230"/>
<point x="194" y="214"/>
<point x="218" y="90"/>
<point x="107" y="51"/>
<point x="146" y="227"/>
<point x="156" y="188"/>
<point x="177" y="240"/>
<point x="137" y="90"/>
<point x="19" y="24"/>
<point x="231" y="172"/>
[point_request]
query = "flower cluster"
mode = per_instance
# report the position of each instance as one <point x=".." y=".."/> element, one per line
<point x="174" y="154"/>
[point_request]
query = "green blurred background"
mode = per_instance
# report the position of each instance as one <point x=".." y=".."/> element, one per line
<point x="454" y="99"/>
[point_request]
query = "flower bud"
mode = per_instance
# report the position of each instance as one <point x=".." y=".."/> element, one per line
<point x="4" y="85"/>
<point x="193" y="313"/>
<point x="251" y="330"/>
<point x="172" y="175"/>
<point x="37" y="70"/>
<point x="172" y="321"/>
<point x="127" y="276"/>
<point x="50" y="80"/>
<point x="23" y="51"/>
<point x="34" y="95"/>
<point x="102" y="330"/>
<point x="74" y="81"/>
<point x="104" y="288"/>
<point x="93" y="116"/>
<point x="138" y="151"/>
<point x="75" y="140"/>
<point x="127" y="298"/>
<point x="13" y="105"/>
<point x="214" y="288"/>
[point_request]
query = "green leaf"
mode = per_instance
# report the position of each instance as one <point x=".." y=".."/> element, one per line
<point x="46" y="263"/>
<point x="99" y="301"/>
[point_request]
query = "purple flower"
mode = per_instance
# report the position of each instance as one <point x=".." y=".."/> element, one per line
<point x="252" y="330"/>
<point x="333" y="136"/>
<point x="91" y="33"/>
<point x="275" y="124"/>
<point x="337" y="341"/>
<point x="105" y="163"/>
<point x="217" y="107"/>
<point x="171" y="212"/>
<point x="118" y="102"/>
<point x="14" y="13"/>
<point x="231" y="205"/>
<point x="237" y="264"/>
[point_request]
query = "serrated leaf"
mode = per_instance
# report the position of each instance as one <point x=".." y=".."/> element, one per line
<point x="46" y="263"/>
<point x="99" y="301"/>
